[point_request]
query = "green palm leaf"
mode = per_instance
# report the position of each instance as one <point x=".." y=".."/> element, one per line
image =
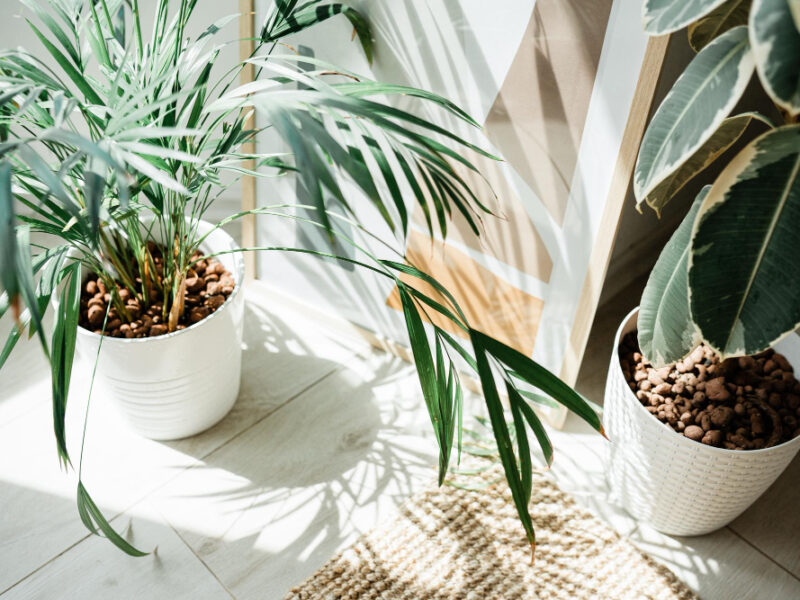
<point x="94" y="520"/>
<point x="539" y="377"/>
<point x="505" y="446"/>
<point x="65" y="330"/>
<point x="8" y="237"/>
<point x="290" y="16"/>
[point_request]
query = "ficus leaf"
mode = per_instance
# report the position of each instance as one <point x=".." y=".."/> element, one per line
<point x="666" y="331"/>
<point x="775" y="40"/>
<point x="743" y="266"/>
<point x="693" y="109"/>
<point x="728" y="15"/>
<point x="666" y="16"/>
<point x="726" y="135"/>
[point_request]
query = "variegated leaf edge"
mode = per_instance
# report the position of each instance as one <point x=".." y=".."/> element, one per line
<point x="746" y="68"/>
<point x="659" y="360"/>
<point x="761" y="54"/>
<point x="794" y="8"/>
<point x="687" y="171"/>
<point x="675" y="25"/>
<point x="716" y="19"/>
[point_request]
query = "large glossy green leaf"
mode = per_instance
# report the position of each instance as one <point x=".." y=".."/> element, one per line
<point x="665" y="16"/>
<point x="726" y="16"/>
<point x="694" y="109"/>
<point x="666" y="330"/>
<point x="744" y="272"/>
<point x="775" y="40"/>
<point x="729" y="131"/>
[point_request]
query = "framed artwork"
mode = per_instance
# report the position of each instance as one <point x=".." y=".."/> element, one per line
<point x="562" y="89"/>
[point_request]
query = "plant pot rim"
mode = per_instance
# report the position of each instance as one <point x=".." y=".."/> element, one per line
<point x="238" y="282"/>
<point x="631" y="397"/>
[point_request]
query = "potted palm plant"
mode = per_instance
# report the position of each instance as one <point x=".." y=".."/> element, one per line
<point x="117" y="169"/>
<point x="704" y="352"/>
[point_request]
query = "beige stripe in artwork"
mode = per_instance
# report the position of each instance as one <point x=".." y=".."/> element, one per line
<point x="490" y="303"/>
<point x="537" y="120"/>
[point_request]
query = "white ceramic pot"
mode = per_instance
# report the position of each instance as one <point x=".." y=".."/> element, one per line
<point x="179" y="384"/>
<point x="677" y="485"/>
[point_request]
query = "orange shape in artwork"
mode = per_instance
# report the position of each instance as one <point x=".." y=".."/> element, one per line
<point x="490" y="303"/>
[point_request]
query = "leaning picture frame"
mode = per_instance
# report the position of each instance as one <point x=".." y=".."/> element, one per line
<point x="562" y="91"/>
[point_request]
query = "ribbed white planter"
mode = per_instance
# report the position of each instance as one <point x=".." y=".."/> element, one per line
<point x="179" y="384"/>
<point x="677" y="485"/>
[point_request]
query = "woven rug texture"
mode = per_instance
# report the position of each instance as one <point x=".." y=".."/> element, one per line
<point x="447" y="543"/>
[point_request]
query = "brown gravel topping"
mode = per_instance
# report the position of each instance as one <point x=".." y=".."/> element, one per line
<point x="743" y="403"/>
<point x="207" y="287"/>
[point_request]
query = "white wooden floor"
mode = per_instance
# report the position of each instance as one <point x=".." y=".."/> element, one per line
<point x="328" y="437"/>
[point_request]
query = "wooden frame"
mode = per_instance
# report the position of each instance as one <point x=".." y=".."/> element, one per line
<point x="620" y="184"/>
<point x="247" y="30"/>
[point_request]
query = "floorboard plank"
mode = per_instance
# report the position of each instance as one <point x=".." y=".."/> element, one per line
<point x="92" y="569"/>
<point x="268" y="509"/>
<point x="284" y="355"/>
<point x="719" y="565"/>
<point x="772" y="524"/>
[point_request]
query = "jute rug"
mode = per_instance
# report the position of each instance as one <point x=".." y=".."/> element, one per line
<point x="448" y="543"/>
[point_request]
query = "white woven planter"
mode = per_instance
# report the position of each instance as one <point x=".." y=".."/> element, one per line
<point x="679" y="486"/>
<point x="179" y="384"/>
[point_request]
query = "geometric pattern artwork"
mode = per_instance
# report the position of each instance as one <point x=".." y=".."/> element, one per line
<point x="552" y="82"/>
<point x="498" y="308"/>
<point x="555" y="64"/>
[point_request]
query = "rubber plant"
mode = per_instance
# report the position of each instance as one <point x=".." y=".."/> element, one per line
<point x="730" y="275"/>
<point x="150" y="138"/>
